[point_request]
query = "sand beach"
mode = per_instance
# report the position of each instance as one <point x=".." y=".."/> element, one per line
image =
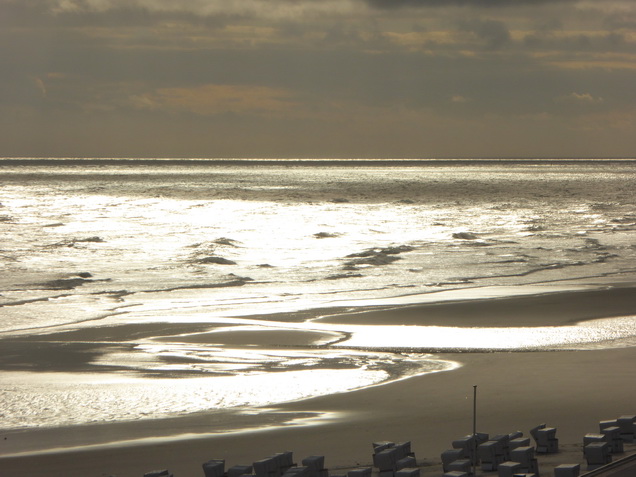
<point x="571" y="390"/>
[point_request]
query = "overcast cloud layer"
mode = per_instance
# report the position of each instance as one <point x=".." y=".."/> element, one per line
<point x="318" y="78"/>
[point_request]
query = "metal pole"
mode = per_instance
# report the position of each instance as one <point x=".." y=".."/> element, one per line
<point x="474" y="428"/>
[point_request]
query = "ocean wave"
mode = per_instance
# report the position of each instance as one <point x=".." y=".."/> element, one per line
<point x="62" y="284"/>
<point x="68" y="282"/>
<point x="205" y="252"/>
<point x="214" y="260"/>
<point x="226" y="241"/>
<point x="321" y="235"/>
<point x="342" y="276"/>
<point x="465" y="236"/>
<point x="626" y="220"/>
<point x="76" y="241"/>
<point x="510" y="260"/>
<point x="232" y="280"/>
<point x="376" y="257"/>
<point x="280" y="240"/>
<point x="604" y="257"/>
<point x="371" y="252"/>
<point x="535" y="227"/>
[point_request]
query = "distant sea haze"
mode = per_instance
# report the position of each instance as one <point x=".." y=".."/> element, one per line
<point x="96" y="243"/>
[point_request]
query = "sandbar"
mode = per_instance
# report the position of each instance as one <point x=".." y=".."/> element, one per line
<point x="570" y="390"/>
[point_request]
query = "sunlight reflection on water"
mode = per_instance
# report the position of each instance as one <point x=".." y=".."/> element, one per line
<point x="590" y="333"/>
<point x="584" y="335"/>
<point x="59" y="399"/>
<point x="292" y="240"/>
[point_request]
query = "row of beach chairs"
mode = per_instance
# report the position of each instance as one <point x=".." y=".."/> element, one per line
<point x="598" y="448"/>
<point x="510" y="455"/>
<point x="391" y="460"/>
<point x="278" y="465"/>
<point x="394" y="459"/>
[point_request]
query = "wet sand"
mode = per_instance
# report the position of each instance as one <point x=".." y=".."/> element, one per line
<point x="569" y="390"/>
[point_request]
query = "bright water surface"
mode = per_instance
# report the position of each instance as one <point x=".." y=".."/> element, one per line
<point x="90" y="244"/>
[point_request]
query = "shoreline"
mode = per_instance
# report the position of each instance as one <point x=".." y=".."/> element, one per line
<point x="570" y="390"/>
<point x="550" y="307"/>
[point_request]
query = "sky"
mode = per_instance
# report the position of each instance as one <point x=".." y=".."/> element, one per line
<point x="318" y="78"/>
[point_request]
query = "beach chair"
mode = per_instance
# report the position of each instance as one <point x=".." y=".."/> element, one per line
<point x="519" y="442"/>
<point x="590" y="437"/>
<point x="284" y="461"/>
<point x="451" y="455"/>
<point x="627" y="426"/>
<point x="316" y="462"/>
<point x="404" y="450"/>
<point x="613" y="437"/>
<point x="408" y="472"/>
<point x="525" y="456"/>
<point x="461" y="465"/>
<point x="503" y="446"/>
<point x="489" y="455"/>
<point x="546" y="440"/>
<point x="381" y="445"/>
<point x="386" y="460"/>
<point x="267" y="467"/>
<point x="316" y="465"/>
<point x="509" y="469"/>
<point x="214" y="468"/>
<point x="597" y="454"/>
<point x="567" y="470"/>
<point x="467" y="444"/>
<point x="482" y="437"/>
<point x="533" y="431"/>
<point x="609" y="423"/>
<point x="405" y="463"/>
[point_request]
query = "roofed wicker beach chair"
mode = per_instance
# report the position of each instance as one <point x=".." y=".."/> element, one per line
<point x="316" y="465"/>
<point x="545" y="438"/>
<point x="567" y="470"/>
<point x="597" y="454"/>
<point x="214" y="468"/>
<point x="627" y="425"/>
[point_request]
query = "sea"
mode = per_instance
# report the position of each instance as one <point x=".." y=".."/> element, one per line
<point x="151" y="288"/>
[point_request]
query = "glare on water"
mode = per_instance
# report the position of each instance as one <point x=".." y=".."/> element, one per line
<point x="231" y="247"/>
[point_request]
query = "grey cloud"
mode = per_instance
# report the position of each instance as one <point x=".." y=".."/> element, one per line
<point x="493" y="33"/>
<point x="614" y="42"/>
<point x="622" y="20"/>
<point x="204" y="9"/>
<point x="471" y="3"/>
<point x="19" y="14"/>
<point x="119" y="15"/>
<point x="348" y="64"/>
